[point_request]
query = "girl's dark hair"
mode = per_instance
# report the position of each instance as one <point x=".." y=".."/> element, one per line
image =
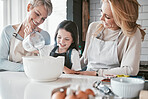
<point x="71" y="27"/>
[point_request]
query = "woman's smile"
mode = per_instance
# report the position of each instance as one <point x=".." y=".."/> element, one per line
<point x="35" y="23"/>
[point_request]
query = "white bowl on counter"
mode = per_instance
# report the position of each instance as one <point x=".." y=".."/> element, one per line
<point x="127" y="87"/>
<point x="45" y="68"/>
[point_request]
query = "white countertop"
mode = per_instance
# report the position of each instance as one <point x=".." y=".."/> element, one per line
<point x="16" y="85"/>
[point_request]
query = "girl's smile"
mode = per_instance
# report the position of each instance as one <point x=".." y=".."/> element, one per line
<point x="64" y="40"/>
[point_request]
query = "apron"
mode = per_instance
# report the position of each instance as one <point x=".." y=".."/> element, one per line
<point x="102" y="54"/>
<point x="16" y="48"/>
<point x="67" y="56"/>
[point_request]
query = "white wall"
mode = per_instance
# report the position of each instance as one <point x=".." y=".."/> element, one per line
<point x="143" y="20"/>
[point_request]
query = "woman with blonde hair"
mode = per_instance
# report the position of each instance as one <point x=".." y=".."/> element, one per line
<point x="11" y="49"/>
<point x="113" y="46"/>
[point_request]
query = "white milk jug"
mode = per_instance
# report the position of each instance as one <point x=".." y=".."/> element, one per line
<point x="34" y="41"/>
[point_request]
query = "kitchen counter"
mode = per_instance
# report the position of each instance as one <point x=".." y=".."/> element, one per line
<point x="16" y="85"/>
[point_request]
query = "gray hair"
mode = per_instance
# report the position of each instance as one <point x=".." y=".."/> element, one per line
<point x="47" y="4"/>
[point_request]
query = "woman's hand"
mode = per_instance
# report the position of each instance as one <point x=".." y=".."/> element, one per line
<point x="36" y="52"/>
<point x="28" y="29"/>
<point x="68" y="71"/>
<point x="91" y="73"/>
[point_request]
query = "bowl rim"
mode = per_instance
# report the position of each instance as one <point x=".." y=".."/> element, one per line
<point x="141" y="81"/>
<point x="41" y="57"/>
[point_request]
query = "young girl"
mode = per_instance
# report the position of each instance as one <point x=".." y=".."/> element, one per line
<point x="66" y="44"/>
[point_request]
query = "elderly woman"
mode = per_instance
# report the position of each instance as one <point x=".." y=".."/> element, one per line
<point x="113" y="45"/>
<point x="11" y="50"/>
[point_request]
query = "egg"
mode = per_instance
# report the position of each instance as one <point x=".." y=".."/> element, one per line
<point x="82" y="95"/>
<point x="59" y="95"/>
<point x="89" y="92"/>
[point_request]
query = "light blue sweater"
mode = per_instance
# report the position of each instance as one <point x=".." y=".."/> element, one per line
<point x="5" y="38"/>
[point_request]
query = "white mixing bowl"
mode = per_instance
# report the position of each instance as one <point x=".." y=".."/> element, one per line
<point x="127" y="87"/>
<point x="46" y="68"/>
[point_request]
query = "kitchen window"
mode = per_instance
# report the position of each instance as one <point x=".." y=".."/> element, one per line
<point x="5" y="13"/>
<point x="1" y="14"/>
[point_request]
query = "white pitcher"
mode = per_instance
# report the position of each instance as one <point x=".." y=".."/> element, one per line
<point x="34" y="41"/>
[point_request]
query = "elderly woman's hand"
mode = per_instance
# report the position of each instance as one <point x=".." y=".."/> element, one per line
<point x="36" y="52"/>
<point x="28" y="29"/>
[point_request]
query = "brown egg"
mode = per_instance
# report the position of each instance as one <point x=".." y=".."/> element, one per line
<point x="71" y="97"/>
<point x="82" y="95"/>
<point x="59" y="95"/>
<point x="65" y="91"/>
<point x="89" y="92"/>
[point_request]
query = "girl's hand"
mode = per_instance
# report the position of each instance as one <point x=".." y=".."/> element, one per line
<point x="90" y="73"/>
<point x="68" y="71"/>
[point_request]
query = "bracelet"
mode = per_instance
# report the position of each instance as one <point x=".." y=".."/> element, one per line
<point x="97" y="73"/>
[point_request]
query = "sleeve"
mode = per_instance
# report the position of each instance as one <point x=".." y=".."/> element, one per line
<point x="5" y="64"/>
<point x="75" y="59"/>
<point x="130" y="60"/>
<point x="46" y="36"/>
